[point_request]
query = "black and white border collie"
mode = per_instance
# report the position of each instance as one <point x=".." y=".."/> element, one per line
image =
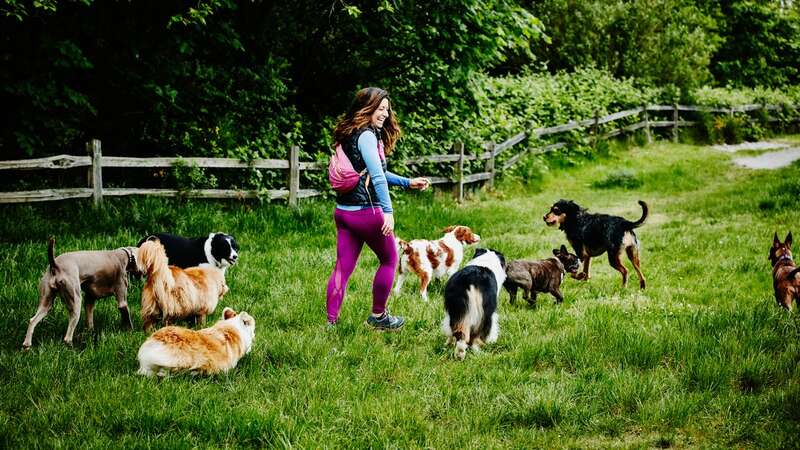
<point x="470" y="302"/>
<point x="218" y="249"/>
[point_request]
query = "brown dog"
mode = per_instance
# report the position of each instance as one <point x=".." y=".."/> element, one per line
<point x="206" y="352"/>
<point x="540" y="276"/>
<point x="784" y="272"/>
<point x="433" y="259"/>
<point x="98" y="274"/>
<point x="172" y="293"/>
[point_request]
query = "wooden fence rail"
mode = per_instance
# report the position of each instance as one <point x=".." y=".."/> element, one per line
<point x="95" y="161"/>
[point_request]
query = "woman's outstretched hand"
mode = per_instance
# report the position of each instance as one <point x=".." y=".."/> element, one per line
<point x="420" y="183"/>
<point x="388" y="224"/>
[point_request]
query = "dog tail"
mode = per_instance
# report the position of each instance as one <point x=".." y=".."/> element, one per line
<point x="152" y="237"/>
<point x="638" y="223"/>
<point x="51" y="243"/>
<point x="152" y="261"/>
<point x="791" y="274"/>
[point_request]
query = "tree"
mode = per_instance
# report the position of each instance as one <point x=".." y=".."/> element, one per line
<point x="659" y="41"/>
<point x="761" y="44"/>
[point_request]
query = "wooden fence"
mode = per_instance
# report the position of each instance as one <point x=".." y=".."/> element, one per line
<point x="95" y="161"/>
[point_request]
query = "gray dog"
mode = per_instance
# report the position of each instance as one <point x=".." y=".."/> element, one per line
<point x="540" y="276"/>
<point x="98" y="273"/>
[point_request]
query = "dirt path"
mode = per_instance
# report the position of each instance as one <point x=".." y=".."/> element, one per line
<point x="782" y="157"/>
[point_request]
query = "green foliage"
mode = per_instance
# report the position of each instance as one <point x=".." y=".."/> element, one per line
<point x="511" y="104"/>
<point x="52" y="110"/>
<point x="718" y="128"/>
<point x="164" y="79"/>
<point x="663" y="42"/>
<point x="426" y="54"/>
<point x="728" y="129"/>
<point x="761" y="45"/>
<point x="190" y="177"/>
<point x="621" y="179"/>
<point x="727" y="97"/>
<point x="248" y="80"/>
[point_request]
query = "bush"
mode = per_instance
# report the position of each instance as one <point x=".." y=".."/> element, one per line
<point x="623" y="179"/>
<point x="661" y="42"/>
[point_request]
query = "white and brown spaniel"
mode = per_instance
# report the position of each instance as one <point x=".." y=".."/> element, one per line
<point x="434" y="259"/>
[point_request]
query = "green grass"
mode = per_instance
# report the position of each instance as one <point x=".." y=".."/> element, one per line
<point x="702" y="358"/>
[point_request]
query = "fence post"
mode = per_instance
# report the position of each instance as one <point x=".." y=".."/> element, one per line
<point x="294" y="174"/>
<point x="595" y="129"/>
<point x="647" y="124"/>
<point x="94" y="149"/>
<point x="675" y="122"/>
<point x="458" y="189"/>
<point x="490" y="165"/>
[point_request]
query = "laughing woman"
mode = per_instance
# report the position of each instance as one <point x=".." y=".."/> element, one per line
<point x="367" y="134"/>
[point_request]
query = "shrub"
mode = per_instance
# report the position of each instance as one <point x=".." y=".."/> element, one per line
<point x="623" y="179"/>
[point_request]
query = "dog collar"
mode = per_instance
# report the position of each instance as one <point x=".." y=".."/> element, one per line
<point x="785" y="257"/>
<point x="131" y="258"/>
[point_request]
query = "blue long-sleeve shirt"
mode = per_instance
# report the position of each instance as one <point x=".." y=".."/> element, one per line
<point x="368" y="146"/>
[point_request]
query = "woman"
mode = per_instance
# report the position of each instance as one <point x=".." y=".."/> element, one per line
<point x="367" y="133"/>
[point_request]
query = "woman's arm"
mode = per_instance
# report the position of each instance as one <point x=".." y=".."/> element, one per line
<point x="397" y="180"/>
<point x="368" y="146"/>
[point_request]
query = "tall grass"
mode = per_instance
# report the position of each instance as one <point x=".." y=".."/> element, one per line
<point x="702" y="358"/>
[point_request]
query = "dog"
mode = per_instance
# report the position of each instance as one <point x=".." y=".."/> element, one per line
<point x="785" y="281"/>
<point x="172" y="293"/>
<point x="433" y="259"/>
<point x="206" y="352"/>
<point x="594" y="234"/>
<point x="540" y="276"/>
<point x="218" y="249"/>
<point x="470" y="302"/>
<point x="98" y="274"/>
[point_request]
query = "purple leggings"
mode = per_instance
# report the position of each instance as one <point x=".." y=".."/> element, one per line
<point x="353" y="229"/>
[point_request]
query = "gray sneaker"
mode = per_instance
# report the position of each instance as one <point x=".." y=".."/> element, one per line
<point x="386" y="322"/>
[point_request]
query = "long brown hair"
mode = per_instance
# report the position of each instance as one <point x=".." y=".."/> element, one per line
<point x="359" y="116"/>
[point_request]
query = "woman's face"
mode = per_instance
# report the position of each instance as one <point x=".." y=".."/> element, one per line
<point x="381" y="113"/>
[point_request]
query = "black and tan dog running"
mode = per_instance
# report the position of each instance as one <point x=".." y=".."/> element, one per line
<point x="594" y="234"/>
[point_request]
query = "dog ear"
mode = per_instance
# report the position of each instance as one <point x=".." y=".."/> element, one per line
<point x="227" y="313"/>
<point x="564" y="250"/>
<point x="403" y="245"/>
<point x="449" y="229"/>
<point x="556" y="252"/>
<point x="788" y="240"/>
<point x="775" y="241"/>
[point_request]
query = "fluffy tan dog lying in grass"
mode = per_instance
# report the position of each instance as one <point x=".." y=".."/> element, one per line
<point x="206" y="352"/>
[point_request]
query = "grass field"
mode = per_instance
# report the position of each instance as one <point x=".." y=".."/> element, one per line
<point x="702" y="358"/>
